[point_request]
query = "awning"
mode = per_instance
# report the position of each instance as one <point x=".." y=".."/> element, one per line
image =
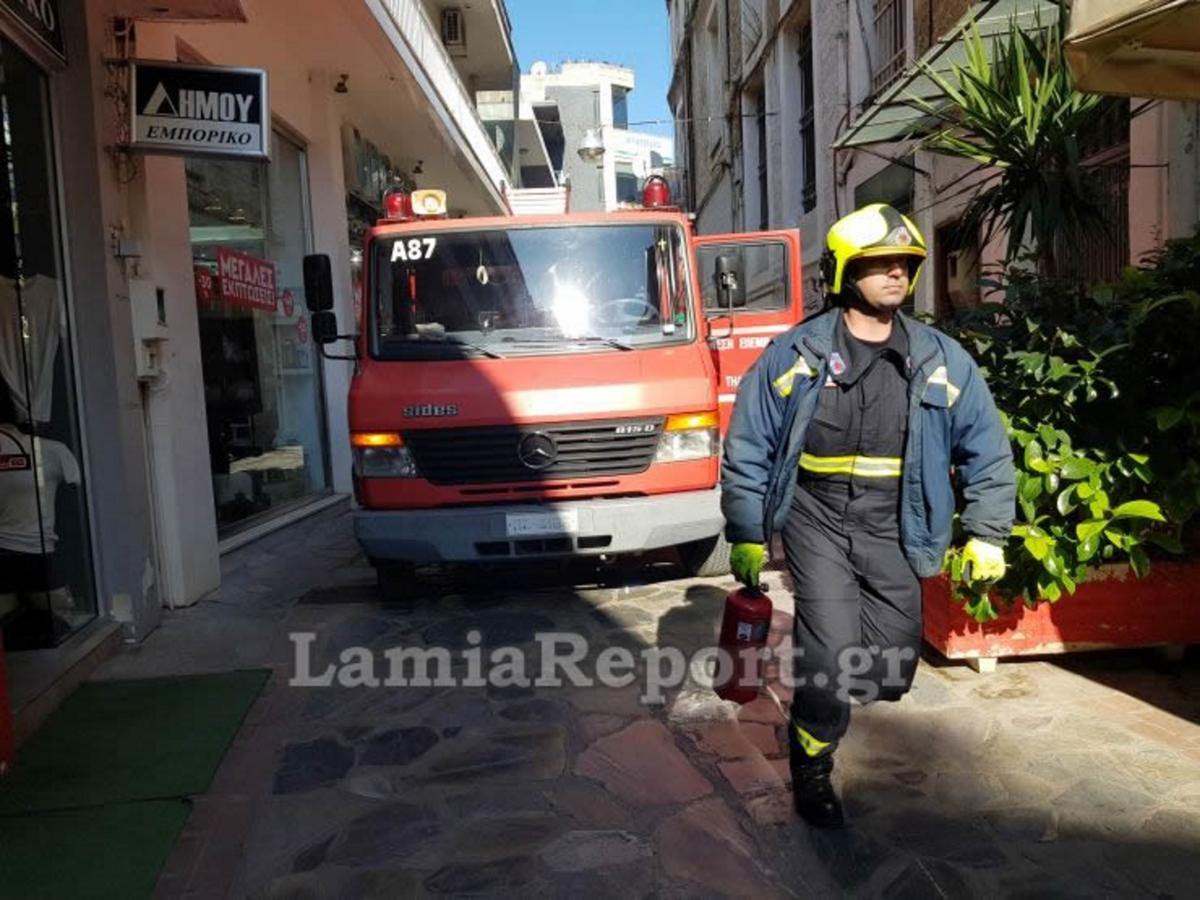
<point x="892" y="117"/>
<point x="1136" y="48"/>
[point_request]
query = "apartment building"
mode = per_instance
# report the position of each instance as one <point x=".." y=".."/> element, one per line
<point x="588" y="102"/>
<point x="791" y="113"/>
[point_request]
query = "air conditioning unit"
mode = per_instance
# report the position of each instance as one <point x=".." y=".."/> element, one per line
<point x="454" y="31"/>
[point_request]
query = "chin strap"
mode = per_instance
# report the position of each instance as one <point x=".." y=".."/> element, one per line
<point x="850" y="296"/>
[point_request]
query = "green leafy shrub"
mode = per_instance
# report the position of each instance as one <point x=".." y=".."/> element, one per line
<point x="1096" y="391"/>
<point x="1156" y="308"/>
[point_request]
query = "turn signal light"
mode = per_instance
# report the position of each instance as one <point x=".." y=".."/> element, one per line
<point x="689" y="421"/>
<point x="364" y="439"/>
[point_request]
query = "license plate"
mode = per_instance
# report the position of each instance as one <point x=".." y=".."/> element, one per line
<point x="535" y="524"/>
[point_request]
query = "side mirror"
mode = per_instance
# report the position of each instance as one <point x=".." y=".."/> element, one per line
<point x="727" y="281"/>
<point x="318" y="285"/>
<point x="324" y="327"/>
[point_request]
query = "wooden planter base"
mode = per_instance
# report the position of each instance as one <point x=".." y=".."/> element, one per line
<point x="1113" y="609"/>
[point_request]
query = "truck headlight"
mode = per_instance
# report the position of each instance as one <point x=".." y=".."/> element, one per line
<point x="689" y="436"/>
<point x="381" y="456"/>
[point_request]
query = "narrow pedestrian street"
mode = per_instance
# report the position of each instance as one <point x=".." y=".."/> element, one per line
<point x="1076" y="777"/>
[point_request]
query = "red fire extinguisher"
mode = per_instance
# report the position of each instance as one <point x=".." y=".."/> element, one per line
<point x="744" y="629"/>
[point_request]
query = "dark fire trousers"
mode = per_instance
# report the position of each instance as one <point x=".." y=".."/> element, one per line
<point x="857" y="626"/>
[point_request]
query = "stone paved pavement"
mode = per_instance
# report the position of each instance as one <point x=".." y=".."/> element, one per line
<point x="1042" y="779"/>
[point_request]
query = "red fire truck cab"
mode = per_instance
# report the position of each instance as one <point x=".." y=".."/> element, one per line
<point x="549" y="386"/>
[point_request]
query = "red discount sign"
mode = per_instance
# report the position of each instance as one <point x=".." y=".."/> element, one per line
<point x="246" y="280"/>
<point x="206" y="285"/>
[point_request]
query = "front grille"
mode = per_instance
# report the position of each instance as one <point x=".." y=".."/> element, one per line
<point x="448" y="456"/>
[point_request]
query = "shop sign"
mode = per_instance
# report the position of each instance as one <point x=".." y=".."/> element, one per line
<point x="195" y="110"/>
<point x="39" y="19"/>
<point x="246" y="280"/>
<point x="206" y="287"/>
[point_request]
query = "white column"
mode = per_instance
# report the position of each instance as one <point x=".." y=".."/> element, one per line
<point x="331" y="234"/>
<point x="177" y="434"/>
<point x="1148" y="180"/>
<point x="1184" y="171"/>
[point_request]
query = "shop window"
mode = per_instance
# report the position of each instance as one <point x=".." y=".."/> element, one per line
<point x="46" y="587"/>
<point x="262" y="382"/>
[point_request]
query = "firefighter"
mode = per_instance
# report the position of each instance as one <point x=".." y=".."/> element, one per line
<point x="842" y="439"/>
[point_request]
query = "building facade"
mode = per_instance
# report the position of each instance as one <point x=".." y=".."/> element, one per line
<point x="162" y="400"/>
<point x="582" y="100"/>
<point x="778" y="105"/>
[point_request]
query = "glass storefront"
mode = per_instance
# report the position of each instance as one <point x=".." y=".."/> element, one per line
<point x="369" y="174"/>
<point x="46" y="580"/>
<point x="262" y="382"/>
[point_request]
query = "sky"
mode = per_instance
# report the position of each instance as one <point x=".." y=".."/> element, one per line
<point x="633" y="33"/>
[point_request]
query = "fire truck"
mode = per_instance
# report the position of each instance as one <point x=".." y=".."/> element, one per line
<point x="534" y="387"/>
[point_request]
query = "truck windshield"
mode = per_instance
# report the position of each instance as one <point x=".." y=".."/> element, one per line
<point x="525" y="291"/>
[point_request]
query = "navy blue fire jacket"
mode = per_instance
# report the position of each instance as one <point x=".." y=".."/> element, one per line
<point x="952" y="421"/>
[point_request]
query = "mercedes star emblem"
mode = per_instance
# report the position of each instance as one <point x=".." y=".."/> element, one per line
<point x="537" y="450"/>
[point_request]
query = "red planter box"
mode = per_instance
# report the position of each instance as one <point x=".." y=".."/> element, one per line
<point x="1115" y="609"/>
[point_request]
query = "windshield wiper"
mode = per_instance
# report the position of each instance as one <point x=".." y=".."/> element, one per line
<point x="563" y="339"/>
<point x="478" y="349"/>
<point x="597" y="339"/>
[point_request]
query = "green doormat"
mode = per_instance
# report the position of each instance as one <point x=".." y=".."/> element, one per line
<point x="110" y="745"/>
<point x="107" y="851"/>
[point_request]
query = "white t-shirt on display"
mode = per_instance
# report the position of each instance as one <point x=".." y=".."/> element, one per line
<point x="41" y="332"/>
<point x="55" y="465"/>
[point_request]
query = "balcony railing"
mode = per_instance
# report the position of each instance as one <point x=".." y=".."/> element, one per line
<point x="891" y="45"/>
<point x="424" y="39"/>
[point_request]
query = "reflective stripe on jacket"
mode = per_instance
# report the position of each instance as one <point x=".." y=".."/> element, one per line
<point x="854" y="466"/>
<point x="952" y="421"/>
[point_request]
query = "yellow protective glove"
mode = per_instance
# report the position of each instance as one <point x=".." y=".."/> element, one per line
<point x="746" y="562"/>
<point x="983" y="561"/>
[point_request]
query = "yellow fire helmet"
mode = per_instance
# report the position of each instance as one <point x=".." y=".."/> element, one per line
<point x="874" y="230"/>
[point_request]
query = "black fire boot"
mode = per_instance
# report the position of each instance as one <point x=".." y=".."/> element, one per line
<point x="816" y="801"/>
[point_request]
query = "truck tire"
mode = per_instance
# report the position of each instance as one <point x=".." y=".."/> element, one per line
<point x="395" y="581"/>
<point x="707" y="558"/>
